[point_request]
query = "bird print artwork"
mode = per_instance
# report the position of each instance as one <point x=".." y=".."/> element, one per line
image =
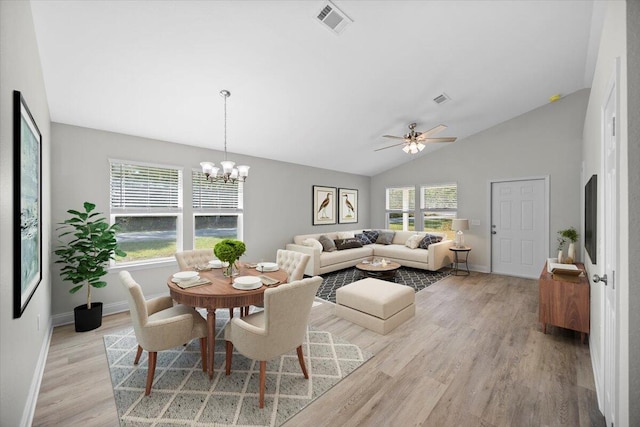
<point x="322" y="211"/>
<point x="349" y="206"/>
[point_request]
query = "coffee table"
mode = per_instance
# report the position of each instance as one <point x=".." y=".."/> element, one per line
<point x="376" y="270"/>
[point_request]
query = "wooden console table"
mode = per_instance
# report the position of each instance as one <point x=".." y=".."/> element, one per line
<point x="564" y="302"/>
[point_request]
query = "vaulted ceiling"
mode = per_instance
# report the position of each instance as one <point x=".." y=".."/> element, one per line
<point x="299" y="92"/>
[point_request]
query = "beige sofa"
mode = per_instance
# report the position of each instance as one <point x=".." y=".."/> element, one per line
<point x="434" y="258"/>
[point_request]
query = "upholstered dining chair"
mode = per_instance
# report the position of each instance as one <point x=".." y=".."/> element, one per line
<point x="189" y="259"/>
<point x="276" y="330"/>
<point x="293" y="263"/>
<point x="159" y="325"/>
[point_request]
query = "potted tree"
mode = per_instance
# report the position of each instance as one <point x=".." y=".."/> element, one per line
<point x="90" y="244"/>
<point x="229" y="250"/>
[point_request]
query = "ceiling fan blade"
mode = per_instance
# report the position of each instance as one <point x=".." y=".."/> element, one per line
<point x="432" y="131"/>
<point x="394" y="145"/>
<point x="445" y="139"/>
<point x="394" y="137"/>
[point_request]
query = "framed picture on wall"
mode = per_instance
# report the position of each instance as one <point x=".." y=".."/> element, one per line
<point x="27" y="205"/>
<point x="347" y="205"/>
<point x="324" y="205"/>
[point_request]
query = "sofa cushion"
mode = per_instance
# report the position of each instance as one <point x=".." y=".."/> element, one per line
<point x="385" y="237"/>
<point x="372" y="235"/>
<point x="336" y="257"/>
<point x="400" y="238"/>
<point x="429" y="239"/>
<point x="413" y="241"/>
<point x="349" y="243"/>
<point x="401" y="252"/>
<point x="314" y="243"/>
<point x="345" y="234"/>
<point x="327" y="244"/>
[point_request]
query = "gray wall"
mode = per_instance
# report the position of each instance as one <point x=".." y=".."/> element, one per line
<point x="22" y="346"/>
<point x="545" y="141"/>
<point x="277" y="199"/>
<point x="633" y="76"/>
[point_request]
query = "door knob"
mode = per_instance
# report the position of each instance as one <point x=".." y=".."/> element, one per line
<point x="494" y="232"/>
<point x="602" y="279"/>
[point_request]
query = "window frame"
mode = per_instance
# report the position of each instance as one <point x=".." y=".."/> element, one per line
<point x="424" y="209"/>
<point x="407" y="212"/>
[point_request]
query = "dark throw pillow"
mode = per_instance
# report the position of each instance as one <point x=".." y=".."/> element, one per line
<point x="349" y="243"/>
<point x="372" y="235"/>
<point x="385" y="237"/>
<point x="327" y="243"/>
<point x="363" y="239"/>
<point x="429" y="239"/>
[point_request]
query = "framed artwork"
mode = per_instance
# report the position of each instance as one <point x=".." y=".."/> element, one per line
<point x="347" y="205"/>
<point x="27" y="206"/>
<point x="324" y="205"/>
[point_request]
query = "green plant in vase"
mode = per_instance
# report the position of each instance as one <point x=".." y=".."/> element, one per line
<point x="229" y="251"/>
<point x="570" y="234"/>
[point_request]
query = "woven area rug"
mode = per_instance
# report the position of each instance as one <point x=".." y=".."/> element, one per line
<point x="416" y="278"/>
<point x="182" y="394"/>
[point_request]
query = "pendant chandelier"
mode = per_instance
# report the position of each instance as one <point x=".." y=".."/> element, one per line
<point x="229" y="172"/>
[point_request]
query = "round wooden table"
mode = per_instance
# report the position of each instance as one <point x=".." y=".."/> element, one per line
<point x="378" y="271"/>
<point x="220" y="294"/>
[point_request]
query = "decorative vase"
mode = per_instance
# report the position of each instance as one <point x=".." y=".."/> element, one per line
<point x="572" y="252"/>
<point x="560" y="256"/>
<point x="231" y="270"/>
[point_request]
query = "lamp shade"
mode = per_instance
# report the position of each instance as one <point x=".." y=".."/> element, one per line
<point x="460" y="224"/>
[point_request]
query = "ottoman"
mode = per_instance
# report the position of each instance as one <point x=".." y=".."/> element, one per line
<point x="376" y="304"/>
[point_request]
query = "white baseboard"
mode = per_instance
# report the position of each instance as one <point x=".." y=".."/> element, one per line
<point x="34" y="390"/>
<point x="479" y="268"/>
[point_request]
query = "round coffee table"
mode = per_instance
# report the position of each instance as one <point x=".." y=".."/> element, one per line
<point x="376" y="270"/>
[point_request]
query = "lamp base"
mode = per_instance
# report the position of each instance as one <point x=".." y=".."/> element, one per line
<point x="459" y="242"/>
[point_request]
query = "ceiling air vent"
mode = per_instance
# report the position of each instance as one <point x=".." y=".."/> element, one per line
<point x="333" y="18"/>
<point x="442" y="98"/>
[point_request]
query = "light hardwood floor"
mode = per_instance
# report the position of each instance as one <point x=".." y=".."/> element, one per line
<point x="474" y="355"/>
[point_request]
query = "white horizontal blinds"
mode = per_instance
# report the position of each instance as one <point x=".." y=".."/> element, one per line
<point x="440" y="197"/>
<point x="218" y="196"/>
<point x="135" y="186"/>
<point x="401" y="199"/>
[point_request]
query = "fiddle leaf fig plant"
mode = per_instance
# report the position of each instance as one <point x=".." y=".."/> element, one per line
<point x="89" y="244"/>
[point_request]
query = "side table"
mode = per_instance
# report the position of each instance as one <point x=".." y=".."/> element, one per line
<point x="457" y="260"/>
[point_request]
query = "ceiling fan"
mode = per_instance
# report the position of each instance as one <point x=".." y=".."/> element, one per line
<point x="414" y="141"/>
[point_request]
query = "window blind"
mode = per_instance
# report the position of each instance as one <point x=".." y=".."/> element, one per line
<point x="215" y="195"/>
<point x="440" y="197"/>
<point x="140" y="186"/>
<point x="401" y="198"/>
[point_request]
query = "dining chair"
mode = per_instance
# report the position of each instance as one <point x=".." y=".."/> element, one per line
<point x="276" y="330"/>
<point x="159" y="325"/>
<point x="189" y="259"/>
<point x="293" y="263"/>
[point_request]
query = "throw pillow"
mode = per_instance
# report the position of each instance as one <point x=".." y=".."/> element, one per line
<point x="349" y="243"/>
<point x="429" y="239"/>
<point x="385" y="237"/>
<point x="327" y="244"/>
<point x="413" y="241"/>
<point x="345" y="235"/>
<point x="314" y="243"/>
<point x="372" y="235"/>
<point x="363" y="239"/>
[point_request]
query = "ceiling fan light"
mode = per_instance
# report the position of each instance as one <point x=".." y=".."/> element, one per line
<point x="406" y="149"/>
<point x="420" y="146"/>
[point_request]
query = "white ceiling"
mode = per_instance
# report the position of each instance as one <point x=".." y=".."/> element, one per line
<point x="298" y="92"/>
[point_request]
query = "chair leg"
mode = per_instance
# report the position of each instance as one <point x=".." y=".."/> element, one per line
<point x="301" y="360"/>
<point x="138" y="354"/>
<point x="228" y="358"/>
<point x="203" y="353"/>
<point x="151" y="371"/>
<point x="263" y="380"/>
<point x="231" y="313"/>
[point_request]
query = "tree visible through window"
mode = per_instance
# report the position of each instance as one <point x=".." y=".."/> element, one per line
<point x="439" y="206"/>
<point x="400" y="204"/>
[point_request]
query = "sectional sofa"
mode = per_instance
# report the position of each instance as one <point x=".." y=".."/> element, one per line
<point x="436" y="256"/>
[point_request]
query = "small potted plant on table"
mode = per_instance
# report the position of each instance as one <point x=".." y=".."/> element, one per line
<point x="84" y="257"/>
<point x="571" y="235"/>
<point x="229" y="251"/>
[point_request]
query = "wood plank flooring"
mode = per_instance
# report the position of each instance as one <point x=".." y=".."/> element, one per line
<point x="474" y="355"/>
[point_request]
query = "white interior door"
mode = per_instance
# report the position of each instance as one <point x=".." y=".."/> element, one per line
<point x="610" y="258"/>
<point x="519" y="227"/>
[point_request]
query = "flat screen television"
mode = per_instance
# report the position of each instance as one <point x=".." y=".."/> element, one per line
<point x="591" y="218"/>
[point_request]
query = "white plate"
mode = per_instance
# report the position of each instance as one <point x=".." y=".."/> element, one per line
<point x="243" y="288"/>
<point x="267" y="266"/>
<point x="247" y="281"/>
<point x="185" y="275"/>
<point x="216" y="263"/>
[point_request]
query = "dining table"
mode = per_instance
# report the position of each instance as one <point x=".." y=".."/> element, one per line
<point x="219" y="293"/>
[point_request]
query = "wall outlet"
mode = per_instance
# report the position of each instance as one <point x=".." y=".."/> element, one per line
<point x="475" y="222"/>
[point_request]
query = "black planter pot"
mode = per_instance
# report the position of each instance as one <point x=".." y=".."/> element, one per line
<point x="88" y="319"/>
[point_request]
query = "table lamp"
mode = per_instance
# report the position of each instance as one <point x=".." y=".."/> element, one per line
<point x="459" y="225"/>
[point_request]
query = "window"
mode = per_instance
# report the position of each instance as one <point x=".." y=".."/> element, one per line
<point x="439" y="206"/>
<point x="146" y="202"/>
<point x="218" y="210"/>
<point x="401" y="204"/>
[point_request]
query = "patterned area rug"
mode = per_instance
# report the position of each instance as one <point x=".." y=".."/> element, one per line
<point x="416" y="278"/>
<point x="182" y="394"/>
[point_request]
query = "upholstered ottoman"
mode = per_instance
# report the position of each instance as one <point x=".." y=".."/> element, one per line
<point x="376" y="304"/>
